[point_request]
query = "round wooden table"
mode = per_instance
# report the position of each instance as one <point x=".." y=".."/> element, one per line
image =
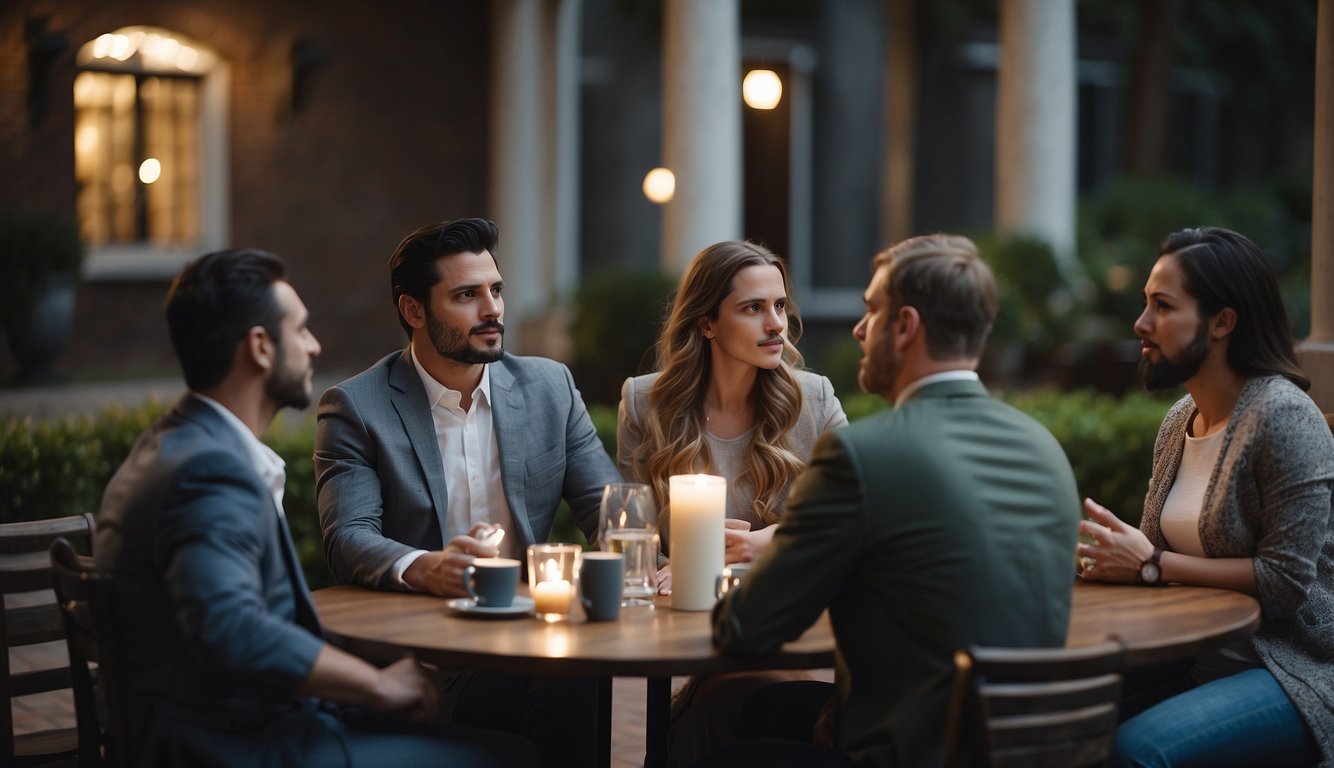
<point x="1159" y="623"/>
<point x="1155" y="624"/>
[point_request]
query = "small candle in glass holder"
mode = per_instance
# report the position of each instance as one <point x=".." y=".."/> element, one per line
<point x="551" y="579"/>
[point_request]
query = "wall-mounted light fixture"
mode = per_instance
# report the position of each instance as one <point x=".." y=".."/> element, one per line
<point x="44" y="48"/>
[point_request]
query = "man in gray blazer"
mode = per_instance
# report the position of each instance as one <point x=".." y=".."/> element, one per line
<point x="220" y="649"/>
<point x="945" y="522"/>
<point x="433" y="447"/>
<point x="422" y="456"/>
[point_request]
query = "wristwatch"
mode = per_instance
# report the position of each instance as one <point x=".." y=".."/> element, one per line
<point x="1151" y="571"/>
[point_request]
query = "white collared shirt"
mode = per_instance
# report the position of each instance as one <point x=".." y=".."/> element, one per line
<point x="470" y="458"/>
<point x="932" y="378"/>
<point x="270" y="467"/>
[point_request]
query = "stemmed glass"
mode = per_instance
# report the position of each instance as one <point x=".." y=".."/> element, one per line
<point x="628" y="523"/>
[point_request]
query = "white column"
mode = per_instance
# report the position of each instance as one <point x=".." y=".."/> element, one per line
<point x="1317" y="352"/>
<point x="1035" y="123"/>
<point x="516" y="156"/>
<point x="565" y="234"/>
<point x="701" y="72"/>
<point x="900" y="67"/>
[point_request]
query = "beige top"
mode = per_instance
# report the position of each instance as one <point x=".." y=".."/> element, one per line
<point x="820" y="412"/>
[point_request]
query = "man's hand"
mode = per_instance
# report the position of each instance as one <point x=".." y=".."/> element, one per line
<point x="408" y="688"/>
<point x="441" y="573"/>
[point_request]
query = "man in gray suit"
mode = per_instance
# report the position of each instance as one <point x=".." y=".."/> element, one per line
<point x="945" y="522"/>
<point x="422" y="456"/>
<point x="437" y="445"/>
<point x="221" y="651"/>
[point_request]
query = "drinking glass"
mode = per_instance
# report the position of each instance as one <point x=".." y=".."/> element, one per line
<point x="628" y="523"/>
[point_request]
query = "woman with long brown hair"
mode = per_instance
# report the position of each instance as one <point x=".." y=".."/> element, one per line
<point x="729" y="398"/>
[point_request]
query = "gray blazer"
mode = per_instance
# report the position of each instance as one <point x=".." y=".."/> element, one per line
<point x="1269" y="499"/>
<point x="380" y="482"/>
<point x="213" y="618"/>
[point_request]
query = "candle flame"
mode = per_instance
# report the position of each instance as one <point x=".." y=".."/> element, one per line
<point x="551" y="570"/>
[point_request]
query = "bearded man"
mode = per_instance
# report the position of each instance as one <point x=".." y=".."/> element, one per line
<point x="419" y="459"/>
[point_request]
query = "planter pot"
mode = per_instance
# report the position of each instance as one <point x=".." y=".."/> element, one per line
<point x="38" y="339"/>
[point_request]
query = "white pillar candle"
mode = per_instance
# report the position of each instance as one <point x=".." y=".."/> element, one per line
<point x="698" y="509"/>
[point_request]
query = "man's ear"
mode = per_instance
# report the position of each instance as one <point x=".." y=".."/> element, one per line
<point x="907" y="324"/>
<point x="412" y="311"/>
<point x="1223" y="323"/>
<point x="259" y="348"/>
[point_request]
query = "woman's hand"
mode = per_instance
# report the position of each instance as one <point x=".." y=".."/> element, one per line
<point x="1117" y="549"/>
<point x="665" y="579"/>
<point x="744" y="544"/>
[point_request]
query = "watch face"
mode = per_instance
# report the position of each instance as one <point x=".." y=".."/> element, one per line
<point x="1148" y="573"/>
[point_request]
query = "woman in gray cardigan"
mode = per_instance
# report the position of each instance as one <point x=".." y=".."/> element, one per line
<point x="1239" y="499"/>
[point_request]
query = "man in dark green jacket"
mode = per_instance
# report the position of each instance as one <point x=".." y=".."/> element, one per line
<point x="945" y="522"/>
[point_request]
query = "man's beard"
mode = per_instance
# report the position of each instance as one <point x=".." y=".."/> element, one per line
<point x="1167" y="373"/>
<point x="450" y="343"/>
<point x="877" y="376"/>
<point x="285" y="387"/>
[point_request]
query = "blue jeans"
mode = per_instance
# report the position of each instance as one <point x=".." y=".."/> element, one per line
<point x="1245" y="719"/>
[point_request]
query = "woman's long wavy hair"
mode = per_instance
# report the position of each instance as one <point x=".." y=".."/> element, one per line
<point x="673" y="425"/>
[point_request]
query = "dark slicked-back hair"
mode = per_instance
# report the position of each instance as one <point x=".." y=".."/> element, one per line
<point x="413" y="269"/>
<point x="1225" y="269"/>
<point x="213" y="302"/>
<point x="951" y="288"/>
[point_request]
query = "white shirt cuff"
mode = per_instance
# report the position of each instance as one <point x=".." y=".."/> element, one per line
<point x="401" y="565"/>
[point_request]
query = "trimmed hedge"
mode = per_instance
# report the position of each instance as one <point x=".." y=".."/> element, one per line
<point x="59" y="467"/>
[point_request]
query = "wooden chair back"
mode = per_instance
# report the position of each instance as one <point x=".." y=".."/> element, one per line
<point x="84" y="597"/>
<point x="1034" y="706"/>
<point x="29" y="617"/>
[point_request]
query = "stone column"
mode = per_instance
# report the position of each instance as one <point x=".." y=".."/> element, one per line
<point x="900" y="83"/>
<point x="534" y="166"/>
<point x="701" y="70"/>
<point x="1317" y="352"/>
<point x="1035" y="123"/>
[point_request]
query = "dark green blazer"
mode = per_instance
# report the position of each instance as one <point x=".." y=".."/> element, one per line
<point x="947" y="522"/>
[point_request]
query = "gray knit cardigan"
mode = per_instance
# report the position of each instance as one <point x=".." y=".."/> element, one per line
<point x="1269" y="498"/>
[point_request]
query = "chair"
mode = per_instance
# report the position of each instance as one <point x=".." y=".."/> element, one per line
<point x="1034" y="706"/>
<point x="85" y="607"/>
<point x="30" y="617"/>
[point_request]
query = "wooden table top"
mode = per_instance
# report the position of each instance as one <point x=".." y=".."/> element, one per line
<point x="1160" y="623"/>
<point x="644" y="642"/>
<point x="1156" y="624"/>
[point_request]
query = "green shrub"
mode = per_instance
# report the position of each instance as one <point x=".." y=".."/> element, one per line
<point x="59" y="467"/>
<point x="617" y="318"/>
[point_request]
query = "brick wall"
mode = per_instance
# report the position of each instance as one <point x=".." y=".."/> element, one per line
<point x="393" y="135"/>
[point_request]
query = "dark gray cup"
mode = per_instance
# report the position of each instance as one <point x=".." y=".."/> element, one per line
<point x="491" y="581"/>
<point x="601" y="579"/>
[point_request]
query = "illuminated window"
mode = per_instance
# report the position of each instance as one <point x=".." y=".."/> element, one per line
<point x="148" y="157"/>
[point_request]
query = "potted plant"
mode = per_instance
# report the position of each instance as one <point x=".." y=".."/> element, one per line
<point x="40" y="259"/>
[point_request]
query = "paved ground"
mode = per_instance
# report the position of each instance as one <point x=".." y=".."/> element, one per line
<point x="56" y="709"/>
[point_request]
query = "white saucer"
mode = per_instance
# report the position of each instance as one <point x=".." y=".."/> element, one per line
<point x="522" y="606"/>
